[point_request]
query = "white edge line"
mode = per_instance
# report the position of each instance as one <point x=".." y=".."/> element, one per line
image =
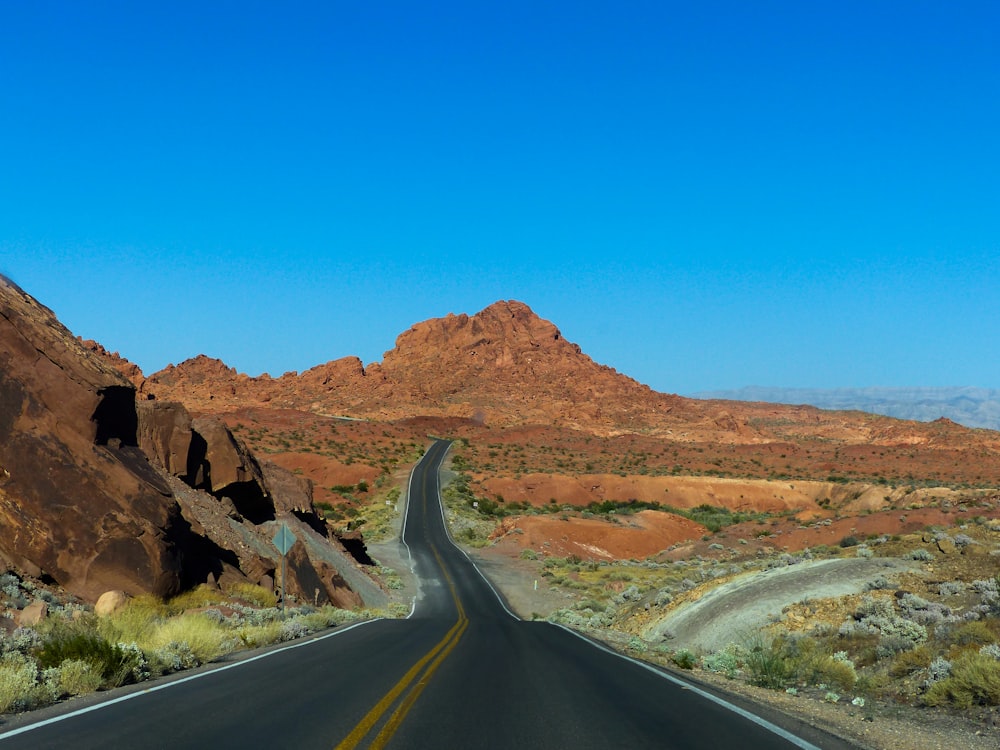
<point x="165" y="685"/>
<point x="402" y="532"/>
<point x="174" y="683"/>
<point x="774" y="728"/>
<point x="444" y="522"/>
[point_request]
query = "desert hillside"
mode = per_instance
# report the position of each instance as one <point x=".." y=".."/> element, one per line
<point x="541" y="421"/>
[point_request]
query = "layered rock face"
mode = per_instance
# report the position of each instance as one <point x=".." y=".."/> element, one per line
<point x="100" y="492"/>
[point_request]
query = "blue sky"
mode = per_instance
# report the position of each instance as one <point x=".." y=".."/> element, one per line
<point x="701" y="195"/>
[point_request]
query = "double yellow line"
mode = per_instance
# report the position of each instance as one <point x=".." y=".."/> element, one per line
<point x="424" y="668"/>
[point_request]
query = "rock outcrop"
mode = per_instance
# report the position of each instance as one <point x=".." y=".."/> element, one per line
<point x="507" y="367"/>
<point x="91" y="478"/>
<point x="504" y="365"/>
<point x="79" y="503"/>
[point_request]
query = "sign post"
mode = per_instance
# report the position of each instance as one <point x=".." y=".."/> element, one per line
<point x="283" y="540"/>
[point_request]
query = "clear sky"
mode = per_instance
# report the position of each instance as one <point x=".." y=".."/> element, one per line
<point x="702" y="195"/>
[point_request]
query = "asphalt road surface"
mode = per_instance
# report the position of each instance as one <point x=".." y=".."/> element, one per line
<point x="460" y="672"/>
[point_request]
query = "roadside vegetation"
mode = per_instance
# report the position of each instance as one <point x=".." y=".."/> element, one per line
<point x="930" y="640"/>
<point x="74" y="652"/>
<point x="375" y="518"/>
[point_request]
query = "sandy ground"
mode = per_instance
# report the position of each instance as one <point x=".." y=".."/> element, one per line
<point x="528" y="595"/>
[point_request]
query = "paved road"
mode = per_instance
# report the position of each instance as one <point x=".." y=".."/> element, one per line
<point x="461" y="672"/>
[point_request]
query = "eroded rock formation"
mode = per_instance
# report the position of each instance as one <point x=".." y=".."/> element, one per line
<point x="98" y="490"/>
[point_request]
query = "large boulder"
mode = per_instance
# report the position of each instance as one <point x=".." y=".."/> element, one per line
<point x="317" y="582"/>
<point x="110" y="602"/>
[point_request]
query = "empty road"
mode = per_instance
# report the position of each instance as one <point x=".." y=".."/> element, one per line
<point x="460" y="672"/>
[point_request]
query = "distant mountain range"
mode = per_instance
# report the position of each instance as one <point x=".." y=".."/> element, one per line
<point x="969" y="406"/>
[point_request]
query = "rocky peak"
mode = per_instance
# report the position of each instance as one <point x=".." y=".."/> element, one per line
<point x="502" y="335"/>
<point x="505" y="364"/>
<point x="197" y="370"/>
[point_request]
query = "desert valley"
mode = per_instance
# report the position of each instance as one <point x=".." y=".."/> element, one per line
<point x="855" y="557"/>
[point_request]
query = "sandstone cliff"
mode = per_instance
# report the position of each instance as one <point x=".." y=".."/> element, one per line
<point x="100" y="491"/>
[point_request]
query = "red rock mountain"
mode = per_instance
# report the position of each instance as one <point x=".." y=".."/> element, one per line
<point x="504" y="365"/>
<point x="100" y="491"/>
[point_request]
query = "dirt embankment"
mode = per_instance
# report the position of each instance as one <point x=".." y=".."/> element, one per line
<point x="733" y="611"/>
<point x="633" y="536"/>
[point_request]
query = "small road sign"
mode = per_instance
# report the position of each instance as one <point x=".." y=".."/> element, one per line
<point x="284" y="539"/>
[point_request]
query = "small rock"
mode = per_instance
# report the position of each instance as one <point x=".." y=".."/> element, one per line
<point x="33" y="614"/>
<point x="946" y="545"/>
<point x="110" y="601"/>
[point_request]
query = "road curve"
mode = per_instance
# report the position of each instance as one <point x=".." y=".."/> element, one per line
<point x="460" y="672"/>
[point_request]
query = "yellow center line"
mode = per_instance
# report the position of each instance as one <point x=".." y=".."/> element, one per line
<point x="371" y="718"/>
<point x="404" y="707"/>
<point x="438" y="654"/>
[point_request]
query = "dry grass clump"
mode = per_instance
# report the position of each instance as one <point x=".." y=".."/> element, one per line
<point x="253" y="594"/>
<point x="206" y="638"/>
<point x="974" y="679"/>
<point x="78" y="677"/>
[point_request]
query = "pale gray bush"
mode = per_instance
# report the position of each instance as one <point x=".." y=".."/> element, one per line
<point x="938" y="670"/>
<point x="992" y="650"/>
<point x="951" y="588"/>
<point x="663" y="597"/>
<point x="631" y="594"/>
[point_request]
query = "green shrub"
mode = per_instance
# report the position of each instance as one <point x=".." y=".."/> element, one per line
<point x="975" y="633"/>
<point x="78" y="678"/>
<point x="908" y="662"/>
<point x="684" y="659"/>
<point x="73" y="642"/>
<point x="766" y="663"/>
<point x="18" y="678"/>
<point x="974" y="680"/>
<point x="807" y="661"/>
